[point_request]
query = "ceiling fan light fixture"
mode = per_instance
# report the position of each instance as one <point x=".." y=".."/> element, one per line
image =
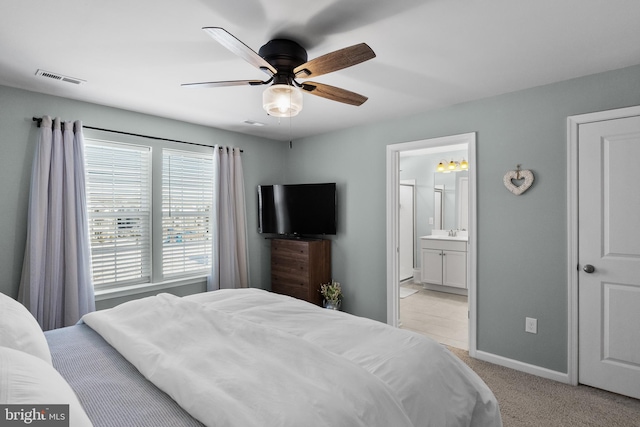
<point x="281" y="100"/>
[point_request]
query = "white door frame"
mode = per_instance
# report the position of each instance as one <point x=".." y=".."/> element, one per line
<point x="573" y="123"/>
<point x="393" y="182"/>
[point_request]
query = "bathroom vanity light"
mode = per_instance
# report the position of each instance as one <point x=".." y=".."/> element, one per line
<point x="452" y="166"/>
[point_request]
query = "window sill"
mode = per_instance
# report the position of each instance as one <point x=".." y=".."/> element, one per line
<point x="125" y="291"/>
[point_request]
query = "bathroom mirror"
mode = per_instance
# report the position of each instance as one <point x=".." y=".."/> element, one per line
<point x="438" y="198"/>
<point x="453" y="191"/>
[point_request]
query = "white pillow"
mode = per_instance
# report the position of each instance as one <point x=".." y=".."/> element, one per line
<point x="28" y="380"/>
<point x="20" y="330"/>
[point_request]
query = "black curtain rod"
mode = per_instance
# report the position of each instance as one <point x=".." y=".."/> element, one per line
<point x="39" y="120"/>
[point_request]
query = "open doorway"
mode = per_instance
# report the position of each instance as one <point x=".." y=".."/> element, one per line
<point x="449" y="275"/>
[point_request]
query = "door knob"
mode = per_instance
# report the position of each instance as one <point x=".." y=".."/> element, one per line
<point x="588" y="268"/>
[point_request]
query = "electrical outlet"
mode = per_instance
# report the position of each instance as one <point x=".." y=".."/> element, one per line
<point x="531" y="325"/>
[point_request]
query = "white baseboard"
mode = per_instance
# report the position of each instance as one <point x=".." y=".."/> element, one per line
<point x="523" y="367"/>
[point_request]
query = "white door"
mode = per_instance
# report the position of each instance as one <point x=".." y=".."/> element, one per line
<point x="609" y="255"/>
<point x="407" y="233"/>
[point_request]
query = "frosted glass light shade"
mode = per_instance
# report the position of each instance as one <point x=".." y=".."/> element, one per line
<point x="282" y="100"/>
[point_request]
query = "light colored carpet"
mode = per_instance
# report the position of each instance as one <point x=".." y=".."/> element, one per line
<point x="530" y="401"/>
<point x="405" y="292"/>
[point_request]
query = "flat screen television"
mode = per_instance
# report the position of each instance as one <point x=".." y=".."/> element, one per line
<point x="297" y="209"/>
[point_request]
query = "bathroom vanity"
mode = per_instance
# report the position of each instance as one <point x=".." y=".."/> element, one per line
<point x="444" y="262"/>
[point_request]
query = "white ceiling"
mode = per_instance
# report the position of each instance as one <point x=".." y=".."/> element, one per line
<point x="134" y="54"/>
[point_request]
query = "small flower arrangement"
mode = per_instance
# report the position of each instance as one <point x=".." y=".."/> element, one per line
<point x="331" y="291"/>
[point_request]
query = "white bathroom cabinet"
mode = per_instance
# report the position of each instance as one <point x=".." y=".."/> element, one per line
<point x="444" y="262"/>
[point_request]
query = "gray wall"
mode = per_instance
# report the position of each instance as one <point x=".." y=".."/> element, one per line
<point x="522" y="259"/>
<point x="262" y="162"/>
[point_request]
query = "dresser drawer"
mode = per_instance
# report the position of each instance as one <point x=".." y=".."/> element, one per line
<point x="289" y="278"/>
<point x="289" y="266"/>
<point x="292" y="291"/>
<point x="290" y="250"/>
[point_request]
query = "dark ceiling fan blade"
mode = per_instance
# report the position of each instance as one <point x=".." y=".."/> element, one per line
<point x="334" y="93"/>
<point x="334" y="61"/>
<point x="227" y="83"/>
<point x="227" y="40"/>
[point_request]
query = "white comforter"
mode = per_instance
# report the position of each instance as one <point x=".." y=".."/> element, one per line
<point x="252" y="358"/>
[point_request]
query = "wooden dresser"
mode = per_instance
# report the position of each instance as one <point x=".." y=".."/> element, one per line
<point x="299" y="267"/>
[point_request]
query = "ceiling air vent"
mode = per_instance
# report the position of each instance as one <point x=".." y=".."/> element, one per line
<point x="59" y="77"/>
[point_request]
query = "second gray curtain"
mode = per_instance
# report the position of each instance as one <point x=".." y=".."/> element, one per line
<point x="230" y="266"/>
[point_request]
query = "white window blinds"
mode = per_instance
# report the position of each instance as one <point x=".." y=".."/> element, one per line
<point x="119" y="205"/>
<point x="187" y="203"/>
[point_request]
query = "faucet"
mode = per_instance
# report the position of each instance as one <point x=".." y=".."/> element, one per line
<point x="452" y="233"/>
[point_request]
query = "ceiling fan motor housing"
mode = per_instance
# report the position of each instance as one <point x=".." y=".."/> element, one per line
<point x="284" y="55"/>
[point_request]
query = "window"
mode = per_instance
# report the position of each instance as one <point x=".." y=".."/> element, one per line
<point x="149" y="213"/>
<point x="187" y="201"/>
<point x="119" y="204"/>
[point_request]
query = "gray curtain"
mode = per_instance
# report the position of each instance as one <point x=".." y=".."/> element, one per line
<point x="230" y="261"/>
<point x="56" y="275"/>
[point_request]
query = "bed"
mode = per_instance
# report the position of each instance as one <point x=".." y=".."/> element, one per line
<point x="248" y="357"/>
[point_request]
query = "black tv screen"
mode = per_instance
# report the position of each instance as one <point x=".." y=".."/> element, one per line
<point x="297" y="209"/>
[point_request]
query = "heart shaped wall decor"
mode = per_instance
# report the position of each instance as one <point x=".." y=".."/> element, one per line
<point x="517" y="175"/>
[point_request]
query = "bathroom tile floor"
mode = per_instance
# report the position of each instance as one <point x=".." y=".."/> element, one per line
<point x="439" y="315"/>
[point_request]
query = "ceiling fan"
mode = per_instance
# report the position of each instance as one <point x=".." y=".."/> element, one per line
<point x="285" y="61"/>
